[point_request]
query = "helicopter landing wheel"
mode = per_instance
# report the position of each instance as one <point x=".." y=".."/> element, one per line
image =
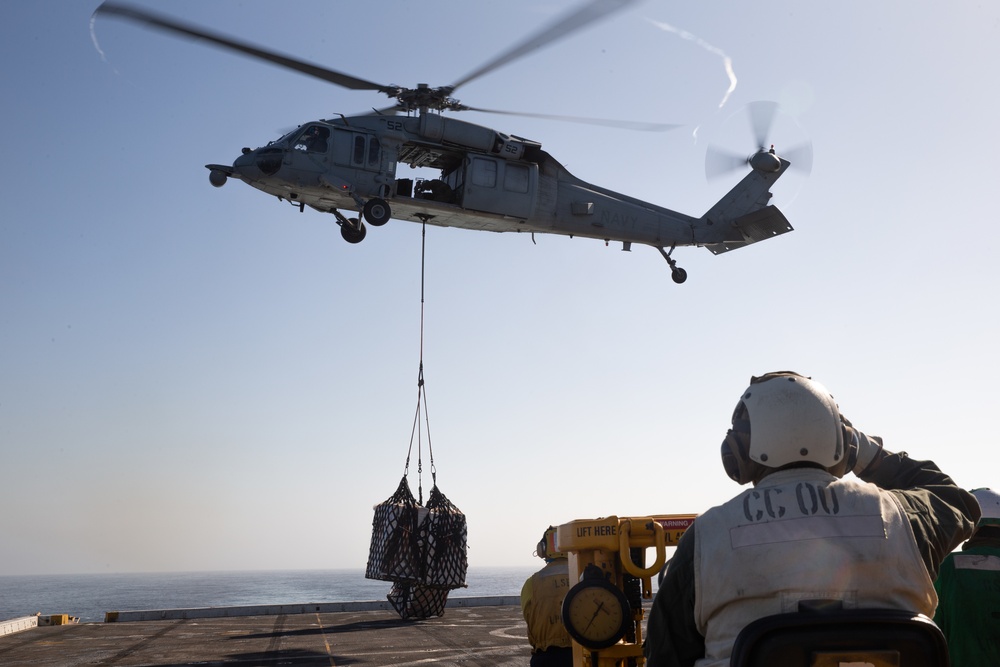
<point x="354" y="232"/>
<point x="377" y="211"/>
<point x="678" y="274"/>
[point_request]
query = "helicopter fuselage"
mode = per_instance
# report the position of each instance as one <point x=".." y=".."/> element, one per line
<point x="488" y="181"/>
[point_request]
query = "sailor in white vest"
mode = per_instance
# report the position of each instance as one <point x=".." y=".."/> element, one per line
<point x="804" y="531"/>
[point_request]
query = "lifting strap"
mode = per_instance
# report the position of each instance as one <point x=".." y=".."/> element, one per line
<point x="420" y="548"/>
<point x="416" y="432"/>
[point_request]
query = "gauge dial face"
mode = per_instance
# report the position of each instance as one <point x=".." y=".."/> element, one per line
<point x="595" y="613"/>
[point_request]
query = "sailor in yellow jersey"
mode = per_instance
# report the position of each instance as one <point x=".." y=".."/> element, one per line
<point x="541" y="603"/>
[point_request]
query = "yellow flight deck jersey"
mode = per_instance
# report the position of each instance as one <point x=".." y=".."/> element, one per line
<point x="541" y="603"/>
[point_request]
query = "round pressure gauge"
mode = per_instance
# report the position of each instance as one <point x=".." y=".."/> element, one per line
<point x="595" y="612"/>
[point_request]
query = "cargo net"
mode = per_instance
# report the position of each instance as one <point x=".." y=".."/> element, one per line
<point x="421" y="549"/>
<point x="413" y="601"/>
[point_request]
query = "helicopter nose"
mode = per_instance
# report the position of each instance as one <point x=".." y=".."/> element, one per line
<point x="245" y="167"/>
<point x="252" y="165"/>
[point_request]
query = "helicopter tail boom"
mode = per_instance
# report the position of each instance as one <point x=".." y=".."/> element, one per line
<point x="743" y="215"/>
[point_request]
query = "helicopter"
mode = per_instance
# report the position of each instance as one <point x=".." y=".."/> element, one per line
<point x="488" y="180"/>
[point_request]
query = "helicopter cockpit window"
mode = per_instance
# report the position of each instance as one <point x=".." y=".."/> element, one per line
<point x="313" y="139"/>
<point x="373" y="152"/>
<point x="286" y="138"/>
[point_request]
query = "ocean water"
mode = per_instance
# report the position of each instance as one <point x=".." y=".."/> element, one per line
<point x="89" y="596"/>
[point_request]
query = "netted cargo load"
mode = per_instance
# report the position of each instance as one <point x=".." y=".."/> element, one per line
<point x="413" y="601"/>
<point x="422" y="550"/>
<point x="396" y="553"/>
<point x="444" y="538"/>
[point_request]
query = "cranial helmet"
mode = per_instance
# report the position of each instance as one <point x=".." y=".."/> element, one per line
<point x="989" y="503"/>
<point x="793" y="419"/>
<point x="546" y="548"/>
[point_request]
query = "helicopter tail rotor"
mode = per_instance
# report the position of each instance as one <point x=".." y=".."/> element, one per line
<point x="762" y="117"/>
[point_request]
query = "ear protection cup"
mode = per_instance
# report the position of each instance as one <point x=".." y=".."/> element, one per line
<point x="732" y="455"/>
<point x="540" y="550"/>
<point x="736" y="458"/>
<point x="736" y="449"/>
<point x="546" y="547"/>
<point x="849" y="456"/>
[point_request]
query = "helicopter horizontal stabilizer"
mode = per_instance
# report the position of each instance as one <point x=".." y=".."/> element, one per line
<point x="762" y="224"/>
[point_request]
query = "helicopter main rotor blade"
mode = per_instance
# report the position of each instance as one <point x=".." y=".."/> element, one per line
<point x="605" y="122"/>
<point x="170" y="25"/>
<point x="575" y="20"/>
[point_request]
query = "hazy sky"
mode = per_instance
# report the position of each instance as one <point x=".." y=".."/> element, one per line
<point x="195" y="378"/>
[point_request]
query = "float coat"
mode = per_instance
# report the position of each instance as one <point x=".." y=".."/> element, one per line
<point x="807" y="535"/>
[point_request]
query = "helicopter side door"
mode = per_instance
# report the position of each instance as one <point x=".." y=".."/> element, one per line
<point x="495" y="185"/>
<point x="362" y="162"/>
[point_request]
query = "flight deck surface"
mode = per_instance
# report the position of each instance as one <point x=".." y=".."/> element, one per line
<point x="467" y="636"/>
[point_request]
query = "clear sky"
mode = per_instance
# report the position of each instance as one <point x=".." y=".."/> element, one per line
<point x="195" y="378"/>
